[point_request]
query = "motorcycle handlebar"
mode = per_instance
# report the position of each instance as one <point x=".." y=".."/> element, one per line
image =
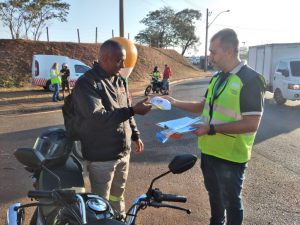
<point x="54" y="194"/>
<point x="169" y="198"/>
<point x="40" y="194"/>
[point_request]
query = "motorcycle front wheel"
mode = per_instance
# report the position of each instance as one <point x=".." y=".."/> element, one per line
<point x="148" y="90"/>
<point x="164" y="91"/>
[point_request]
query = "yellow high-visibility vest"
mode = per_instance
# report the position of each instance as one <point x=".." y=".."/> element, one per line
<point x="226" y="108"/>
<point x="54" y="76"/>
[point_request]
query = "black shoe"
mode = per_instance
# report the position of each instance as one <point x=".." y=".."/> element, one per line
<point x="60" y="99"/>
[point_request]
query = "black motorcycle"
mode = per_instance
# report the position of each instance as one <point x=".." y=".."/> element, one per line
<point x="156" y="86"/>
<point x="59" y="187"/>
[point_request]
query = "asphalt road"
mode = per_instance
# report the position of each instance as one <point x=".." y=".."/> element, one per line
<point x="271" y="190"/>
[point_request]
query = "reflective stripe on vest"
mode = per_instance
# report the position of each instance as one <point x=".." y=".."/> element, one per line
<point x="113" y="198"/>
<point x="226" y="108"/>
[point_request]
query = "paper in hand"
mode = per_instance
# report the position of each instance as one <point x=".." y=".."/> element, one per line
<point x="161" y="103"/>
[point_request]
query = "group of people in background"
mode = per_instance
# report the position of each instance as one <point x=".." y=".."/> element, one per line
<point x="166" y="76"/>
<point x="60" y="78"/>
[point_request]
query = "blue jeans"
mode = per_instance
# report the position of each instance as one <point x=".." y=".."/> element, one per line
<point x="224" y="182"/>
<point x="56" y="92"/>
<point x="165" y="83"/>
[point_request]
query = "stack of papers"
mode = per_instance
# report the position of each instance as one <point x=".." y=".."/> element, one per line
<point x="181" y="125"/>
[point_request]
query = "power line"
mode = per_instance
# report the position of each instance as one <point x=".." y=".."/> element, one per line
<point x="251" y="28"/>
<point x="166" y="3"/>
<point x="192" y="3"/>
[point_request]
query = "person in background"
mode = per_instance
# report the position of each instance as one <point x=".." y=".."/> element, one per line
<point x="107" y="123"/>
<point x="65" y="76"/>
<point x="166" y="77"/>
<point x="156" y="79"/>
<point x="55" y="78"/>
<point x="231" y="110"/>
<point x="156" y="74"/>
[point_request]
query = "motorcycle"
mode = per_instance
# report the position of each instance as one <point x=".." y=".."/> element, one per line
<point x="156" y="86"/>
<point x="59" y="187"/>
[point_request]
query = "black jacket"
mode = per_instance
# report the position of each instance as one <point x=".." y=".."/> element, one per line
<point x="66" y="72"/>
<point x="106" y="118"/>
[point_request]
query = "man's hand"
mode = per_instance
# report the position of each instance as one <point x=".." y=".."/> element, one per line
<point x="139" y="146"/>
<point x="142" y="107"/>
<point x="201" y="129"/>
<point x="170" y="99"/>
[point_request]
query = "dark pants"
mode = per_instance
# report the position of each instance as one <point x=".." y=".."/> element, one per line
<point x="224" y="182"/>
<point x="65" y="86"/>
<point x="56" y="92"/>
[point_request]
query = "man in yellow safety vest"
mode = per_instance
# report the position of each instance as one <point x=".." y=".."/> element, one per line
<point x="231" y="110"/>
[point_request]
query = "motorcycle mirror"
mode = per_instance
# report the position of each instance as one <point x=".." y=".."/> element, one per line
<point x="182" y="163"/>
<point x="179" y="164"/>
<point x="29" y="157"/>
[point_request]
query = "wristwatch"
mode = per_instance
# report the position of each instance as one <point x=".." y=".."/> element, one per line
<point x="212" y="130"/>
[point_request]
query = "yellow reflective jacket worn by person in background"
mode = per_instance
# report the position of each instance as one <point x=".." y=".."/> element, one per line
<point x="54" y="76"/>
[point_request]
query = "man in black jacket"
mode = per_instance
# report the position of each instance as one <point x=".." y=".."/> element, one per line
<point x="107" y="125"/>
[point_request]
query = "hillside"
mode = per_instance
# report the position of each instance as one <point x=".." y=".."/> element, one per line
<point x="16" y="57"/>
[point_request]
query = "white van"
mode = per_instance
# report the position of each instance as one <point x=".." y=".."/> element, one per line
<point x="41" y="65"/>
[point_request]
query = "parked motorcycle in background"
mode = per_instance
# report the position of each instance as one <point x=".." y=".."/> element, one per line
<point x="59" y="187"/>
<point x="156" y="86"/>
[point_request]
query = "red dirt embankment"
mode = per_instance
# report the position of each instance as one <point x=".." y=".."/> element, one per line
<point x="16" y="59"/>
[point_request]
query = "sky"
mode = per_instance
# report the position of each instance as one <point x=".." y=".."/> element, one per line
<point x="255" y="21"/>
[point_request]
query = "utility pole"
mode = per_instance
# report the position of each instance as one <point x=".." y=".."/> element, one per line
<point x="47" y="34"/>
<point x="206" y="33"/>
<point x="78" y="35"/>
<point x="121" y="18"/>
<point x="96" y="39"/>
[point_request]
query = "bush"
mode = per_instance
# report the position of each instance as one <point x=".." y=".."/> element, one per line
<point x="13" y="81"/>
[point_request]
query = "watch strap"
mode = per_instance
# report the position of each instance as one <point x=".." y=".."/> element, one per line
<point x="212" y="130"/>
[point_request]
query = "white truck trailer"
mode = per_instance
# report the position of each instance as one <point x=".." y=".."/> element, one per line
<point x="280" y="66"/>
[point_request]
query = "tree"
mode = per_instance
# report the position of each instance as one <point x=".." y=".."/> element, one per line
<point x="165" y="28"/>
<point x="184" y="26"/>
<point x="31" y="16"/>
<point x="40" y="12"/>
<point x="12" y="15"/>
<point x="159" y="28"/>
